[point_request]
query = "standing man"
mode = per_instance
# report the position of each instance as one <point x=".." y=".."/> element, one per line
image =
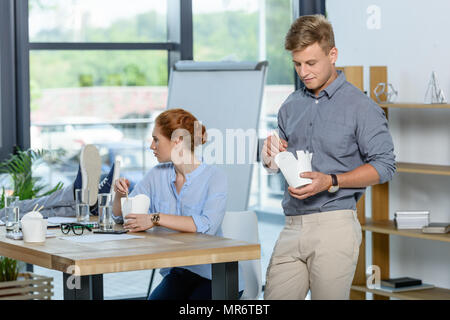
<point x="352" y="148"/>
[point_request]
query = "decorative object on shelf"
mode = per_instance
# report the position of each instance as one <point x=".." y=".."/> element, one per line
<point x="437" y="227"/>
<point x="401" y="282"/>
<point x="412" y="219"/>
<point x="385" y="89"/>
<point x="434" y="93"/>
<point x="423" y="286"/>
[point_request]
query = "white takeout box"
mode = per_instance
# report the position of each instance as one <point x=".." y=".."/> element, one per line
<point x="137" y="204"/>
<point x="34" y="227"/>
<point x="292" y="168"/>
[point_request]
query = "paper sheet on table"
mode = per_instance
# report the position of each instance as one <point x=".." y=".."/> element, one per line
<point x="59" y="220"/>
<point x="90" y="238"/>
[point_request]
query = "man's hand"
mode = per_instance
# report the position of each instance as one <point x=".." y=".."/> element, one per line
<point x="272" y="146"/>
<point x="138" y="222"/>
<point x="320" y="182"/>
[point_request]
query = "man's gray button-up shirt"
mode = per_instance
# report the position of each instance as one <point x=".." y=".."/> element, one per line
<point x="344" y="129"/>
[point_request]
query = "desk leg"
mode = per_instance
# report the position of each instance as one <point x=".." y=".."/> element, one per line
<point x="90" y="287"/>
<point x="225" y="281"/>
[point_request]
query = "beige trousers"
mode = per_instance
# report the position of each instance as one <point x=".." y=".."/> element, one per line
<point x="316" y="252"/>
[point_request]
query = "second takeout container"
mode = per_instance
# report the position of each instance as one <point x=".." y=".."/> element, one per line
<point x="34" y="227"/>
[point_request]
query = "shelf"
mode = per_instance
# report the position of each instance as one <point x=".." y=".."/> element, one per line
<point x="426" y="294"/>
<point x="406" y="105"/>
<point x="423" y="168"/>
<point x="388" y="227"/>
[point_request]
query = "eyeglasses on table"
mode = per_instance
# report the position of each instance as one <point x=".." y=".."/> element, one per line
<point x="77" y="228"/>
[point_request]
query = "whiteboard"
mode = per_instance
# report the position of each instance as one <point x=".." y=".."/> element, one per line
<point x="226" y="97"/>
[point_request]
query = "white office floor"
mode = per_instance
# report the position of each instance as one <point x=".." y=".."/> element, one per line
<point x="135" y="283"/>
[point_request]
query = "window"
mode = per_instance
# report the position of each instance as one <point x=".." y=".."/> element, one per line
<point x="79" y="97"/>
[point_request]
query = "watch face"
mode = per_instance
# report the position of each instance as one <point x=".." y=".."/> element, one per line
<point x="333" y="189"/>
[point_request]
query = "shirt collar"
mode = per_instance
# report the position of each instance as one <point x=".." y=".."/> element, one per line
<point x="331" y="88"/>
<point x="336" y="84"/>
<point x="189" y="176"/>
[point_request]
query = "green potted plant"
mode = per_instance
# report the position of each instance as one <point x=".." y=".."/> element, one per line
<point x="9" y="269"/>
<point x="18" y="167"/>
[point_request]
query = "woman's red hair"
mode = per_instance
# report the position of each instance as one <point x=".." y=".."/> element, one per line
<point x="173" y="119"/>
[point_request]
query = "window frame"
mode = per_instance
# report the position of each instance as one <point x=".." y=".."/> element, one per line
<point x="8" y="134"/>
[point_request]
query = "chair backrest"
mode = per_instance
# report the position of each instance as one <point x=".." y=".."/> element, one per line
<point x="243" y="225"/>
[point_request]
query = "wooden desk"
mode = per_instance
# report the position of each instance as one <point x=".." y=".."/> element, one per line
<point x="160" y="248"/>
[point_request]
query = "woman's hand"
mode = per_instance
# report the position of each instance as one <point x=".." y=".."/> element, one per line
<point x="121" y="186"/>
<point x="138" y="222"/>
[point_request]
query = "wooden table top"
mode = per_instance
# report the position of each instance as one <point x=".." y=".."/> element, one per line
<point x="160" y="248"/>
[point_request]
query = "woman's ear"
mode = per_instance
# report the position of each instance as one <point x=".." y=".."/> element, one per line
<point x="177" y="140"/>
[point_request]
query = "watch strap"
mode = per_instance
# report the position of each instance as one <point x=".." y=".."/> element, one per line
<point x="334" y="180"/>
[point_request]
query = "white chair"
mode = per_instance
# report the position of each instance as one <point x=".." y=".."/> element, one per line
<point x="243" y="225"/>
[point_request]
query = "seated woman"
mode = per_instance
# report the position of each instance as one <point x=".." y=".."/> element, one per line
<point x="185" y="194"/>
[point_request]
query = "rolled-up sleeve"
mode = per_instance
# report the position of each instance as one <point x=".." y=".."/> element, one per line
<point x="211" y="216"/>
<point x="375" y="141"/>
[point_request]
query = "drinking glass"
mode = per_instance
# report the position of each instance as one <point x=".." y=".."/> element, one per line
<point x="82" y="211"/>
<point x="105" y="219"/>
<point x="11" y="214"/>
<point x="82" y="204"/>
<point x="104" y="199"/>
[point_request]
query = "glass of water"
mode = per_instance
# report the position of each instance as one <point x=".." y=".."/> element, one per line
<point x="12" y="213"/>
<point x="82" y="212"/>
<point x="105" y="219"/>
<point x="104" y="199"/>
<point x="82" y="204"/>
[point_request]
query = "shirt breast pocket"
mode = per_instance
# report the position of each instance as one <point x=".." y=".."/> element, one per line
<point x="336" y="139"/>
<point x="191" y="209"/>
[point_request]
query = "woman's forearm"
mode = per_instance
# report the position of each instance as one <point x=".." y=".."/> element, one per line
<point x="177" y="223"/>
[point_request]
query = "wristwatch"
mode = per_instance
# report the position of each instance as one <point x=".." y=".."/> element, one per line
<point x="155" y="219"/>
<point x="334" y="184"/>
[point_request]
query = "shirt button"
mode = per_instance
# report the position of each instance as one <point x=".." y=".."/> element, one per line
<point x="310" y="124"/>
<point x="317" y="101"/>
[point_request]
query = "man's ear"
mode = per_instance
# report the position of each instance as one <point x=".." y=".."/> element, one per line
<point x="333" y="55"/>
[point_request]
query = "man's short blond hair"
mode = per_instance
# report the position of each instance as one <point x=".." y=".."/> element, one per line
<point x="308" y="30"/>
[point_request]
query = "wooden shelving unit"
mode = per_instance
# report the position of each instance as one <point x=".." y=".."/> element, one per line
<point x="427" y="294"/>
<point x="388" y="227"/>
<point x="407" y="105"/>
<point x="423" y="168"/>
<point x="380" y="225"/>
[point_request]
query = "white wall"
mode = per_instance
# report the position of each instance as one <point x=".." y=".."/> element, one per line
<point x="412" y="40"/>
